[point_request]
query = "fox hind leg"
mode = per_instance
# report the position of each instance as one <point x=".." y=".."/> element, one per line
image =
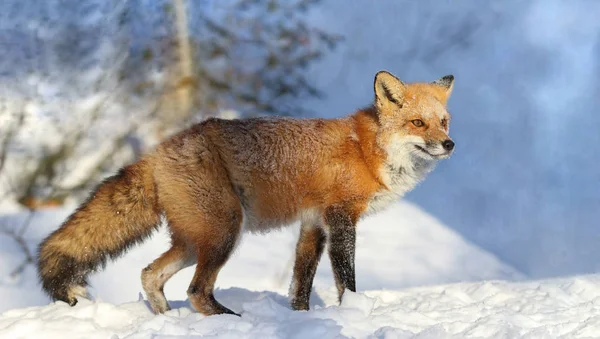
<point x="212" y="226"/>
<point x="200" y="203"/>
<point x="155" y="275"/>
<point x="213" y="249"/>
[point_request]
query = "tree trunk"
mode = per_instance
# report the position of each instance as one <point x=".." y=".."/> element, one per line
<point x="185" y="83"/>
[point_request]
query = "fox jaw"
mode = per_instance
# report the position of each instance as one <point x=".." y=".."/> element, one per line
<point x="414" y="122"/>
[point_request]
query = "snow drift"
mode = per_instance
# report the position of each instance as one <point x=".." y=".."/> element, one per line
<point x="541" y="309"/>
<point x="398" y="248"/>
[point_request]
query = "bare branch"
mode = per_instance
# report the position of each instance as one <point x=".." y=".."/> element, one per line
<point x="8" y="138"/>
<point x="17" y="235"/>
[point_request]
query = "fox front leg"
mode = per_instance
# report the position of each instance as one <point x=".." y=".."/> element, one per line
<point x="342" y="243"/>
<point x="308" y="252"/>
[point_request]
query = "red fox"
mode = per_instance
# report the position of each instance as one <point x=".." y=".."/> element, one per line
<point x="221" y="177"/>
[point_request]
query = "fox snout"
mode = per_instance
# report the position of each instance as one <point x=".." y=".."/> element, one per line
<point x="444" y="148"/>
<point x="448" y="145"/>
<point x="436" y="149"/>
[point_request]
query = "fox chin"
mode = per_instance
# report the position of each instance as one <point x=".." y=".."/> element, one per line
<point x="220" y="177"/>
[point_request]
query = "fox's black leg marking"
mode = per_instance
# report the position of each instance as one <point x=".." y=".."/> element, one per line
<point x="308" y="252"/>
<point x="342" y="243"/>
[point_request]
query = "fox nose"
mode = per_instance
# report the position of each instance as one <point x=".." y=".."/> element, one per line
<point x="448" y="145"/>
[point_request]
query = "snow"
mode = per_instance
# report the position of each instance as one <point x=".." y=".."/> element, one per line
<point x="399" y="248"/>
<point x="567" y="308"/>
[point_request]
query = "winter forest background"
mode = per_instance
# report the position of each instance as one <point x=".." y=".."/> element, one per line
<point x="86" y="86"/>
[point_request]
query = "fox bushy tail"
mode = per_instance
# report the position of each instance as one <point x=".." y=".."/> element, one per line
<point x="121" y="212"/>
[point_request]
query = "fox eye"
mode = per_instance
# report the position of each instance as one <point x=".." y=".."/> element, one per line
<point x="418" y="122"/>
<point x="445" y="123"/>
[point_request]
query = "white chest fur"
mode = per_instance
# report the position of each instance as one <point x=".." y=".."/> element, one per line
<point x="399" y="179"/>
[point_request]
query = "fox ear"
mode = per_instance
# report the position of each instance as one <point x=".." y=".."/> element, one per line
<point x="388" y="88"/>
<point x="447" y="82"/>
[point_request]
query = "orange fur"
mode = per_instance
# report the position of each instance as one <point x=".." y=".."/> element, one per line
<point x="220" y="176"/>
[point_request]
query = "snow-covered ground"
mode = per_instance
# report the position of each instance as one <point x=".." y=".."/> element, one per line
<point x="400" y="248"/>
<point x="566" y="308"/>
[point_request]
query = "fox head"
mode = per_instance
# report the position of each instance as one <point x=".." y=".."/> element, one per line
<point x="413" y="120"/>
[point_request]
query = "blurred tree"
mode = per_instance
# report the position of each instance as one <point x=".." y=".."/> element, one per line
<point x="186" y="71"/>
<point x="252" y="54"/>
<point x="246" y="55"/>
